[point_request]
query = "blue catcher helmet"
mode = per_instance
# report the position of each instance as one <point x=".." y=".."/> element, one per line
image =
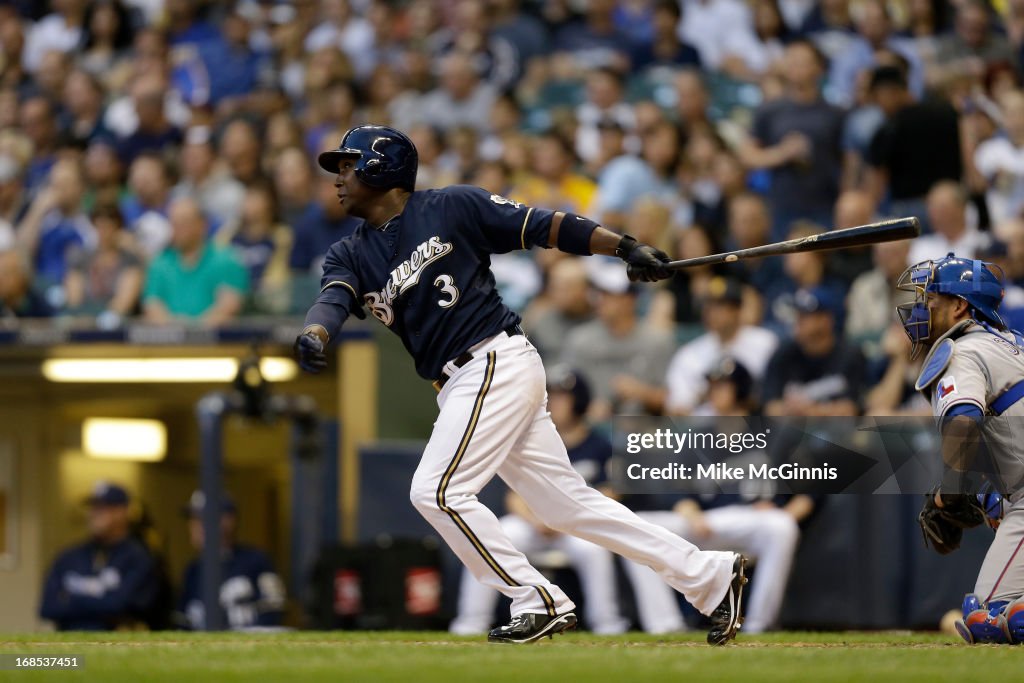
<point x="385" y="157"/>
<point x="974" y="281"/>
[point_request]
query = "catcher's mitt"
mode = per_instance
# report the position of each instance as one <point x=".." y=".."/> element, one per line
<point x="943" y="527"/>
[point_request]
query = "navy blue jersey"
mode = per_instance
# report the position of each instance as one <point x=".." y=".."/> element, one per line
<point x="590" y="458"/>
<point x="251" y="593"/>
<point x="92" y="587"/>
<point x="426" y="273"/>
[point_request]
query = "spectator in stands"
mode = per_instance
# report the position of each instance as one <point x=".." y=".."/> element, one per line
<point x="107" y="583"/>
<point x="595" y="41"/>
<point x="873" y="297"/>
<point x="83" y="101"/>
<point x="251" y="593"/>
<point x="435" y="167"/>
<point x="815" y="373"/>
<point x="339" y="26"/>
<point x="527" y="35"/>
<point x="154" y="132"/>
<point x="462" y="97"/>
<point x="12" y="43"/>
<point x="241" y="150"/>
<point x="664" y="48"/>
<point x="853" y="208"/>
<point x="568" y="400"/>
<point x="605" y="103"/>
<point x="726" y="336"/>
<point x="60" y="31"/>
<point x="18" y="299"/>
<point x="623" y="361"/>
<point x="562" y="308"/>
<point x="894" y="393"/>
<point x="104" y="174"/>
<point x="628" y="178"/>
<point x="193" y="279"/>
<point x="106" y="38"/>
<point x="13" y="198"/>
<point x="973" y="46"/>
<point x="264" y="247"/>
<point x="709" y="25"/>
<point x="874" y="32"/>
<point x="692" y="101"/>
<point x="804" y="271"/>
<point x="797" y="140"/>
<point x="294" y="185"/>
<point x="748" y="55"/>
<point x="951" y="232"/>
<point x="203" y="177"/>
<point x="145" y="208"/>
<point x="749" y="222"/>
<point x="554" y="181"/>
<point x="323" y="223"/>
<point x="38" y="120"/>
<point x="55" y="225"/>
<point x="916" y="147"/>
<point x="106" y="281"/>
<point x="1000" y="159"/>
<point x="185" y="23"/>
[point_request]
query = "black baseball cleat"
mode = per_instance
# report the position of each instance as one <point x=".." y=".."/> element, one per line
<point x="526" y="628"/>
<point x="728" y="616"/>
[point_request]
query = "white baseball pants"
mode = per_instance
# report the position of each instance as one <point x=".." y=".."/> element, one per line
<point x="593" y="564"/>
<point x="769" y="536"/>
<point x="493" y="420"/>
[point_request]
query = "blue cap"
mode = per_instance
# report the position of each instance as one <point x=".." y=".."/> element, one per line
<point x="197" y="502"/>
<point x="105" y="493"/>
<point x="814" y="300"/>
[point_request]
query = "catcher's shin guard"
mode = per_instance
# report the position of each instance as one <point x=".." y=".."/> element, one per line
<point x="1014" y="613"/>
<point x="983" y="623"/>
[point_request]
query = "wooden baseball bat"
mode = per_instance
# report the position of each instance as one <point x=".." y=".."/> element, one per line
<point x="862" y="235"/>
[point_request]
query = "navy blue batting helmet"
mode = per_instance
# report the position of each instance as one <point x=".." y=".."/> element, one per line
<point x="972" y="280"/>
<point x="385" y="157"/>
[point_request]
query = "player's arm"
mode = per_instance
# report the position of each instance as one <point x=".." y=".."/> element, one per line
<point x="337" y="300"/>
<point x="579" y="235"/>
<point x="505" y="225"/>
<point x="960" y="399"/>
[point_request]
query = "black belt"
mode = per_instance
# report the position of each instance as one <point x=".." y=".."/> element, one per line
<point x="466" y="356"/>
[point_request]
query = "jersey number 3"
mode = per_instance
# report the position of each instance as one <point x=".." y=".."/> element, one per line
<point x="448" y="288"/>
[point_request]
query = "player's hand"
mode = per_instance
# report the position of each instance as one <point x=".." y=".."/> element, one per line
<point x="643" y="262"/>
<point x="309" y="352"/>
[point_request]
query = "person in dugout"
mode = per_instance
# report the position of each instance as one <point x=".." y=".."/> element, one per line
<point x="251" y="592"/>
<point x="109" y="582"/>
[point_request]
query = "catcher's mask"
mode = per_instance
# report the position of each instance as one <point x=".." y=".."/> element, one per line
<point x="974" y="281"/>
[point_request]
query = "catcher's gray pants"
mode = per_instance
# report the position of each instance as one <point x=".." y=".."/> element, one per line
<point x="493" y="420"/>
<point x="1002" y="573"/>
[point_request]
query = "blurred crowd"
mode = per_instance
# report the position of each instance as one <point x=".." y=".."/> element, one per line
<point x="156" y="163"/>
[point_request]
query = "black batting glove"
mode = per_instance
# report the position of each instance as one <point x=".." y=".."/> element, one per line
<point x="643" y="262"/>
<point x="309" y="352"/>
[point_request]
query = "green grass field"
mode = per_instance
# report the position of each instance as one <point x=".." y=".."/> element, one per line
<point x="437" y="657"/>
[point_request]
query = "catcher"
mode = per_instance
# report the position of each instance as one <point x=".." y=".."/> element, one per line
<point x="974" y="377"/>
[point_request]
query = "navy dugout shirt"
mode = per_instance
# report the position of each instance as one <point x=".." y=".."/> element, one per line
<point x="426" y="273"/>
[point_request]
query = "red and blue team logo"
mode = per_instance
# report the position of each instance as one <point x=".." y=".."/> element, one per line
<point x="947" y="386"/>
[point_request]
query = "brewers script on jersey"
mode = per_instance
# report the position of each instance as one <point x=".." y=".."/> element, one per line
<point x="425" y="273"/>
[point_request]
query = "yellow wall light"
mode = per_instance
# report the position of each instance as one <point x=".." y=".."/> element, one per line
<point x="124" y="439"/>
<point x="274" y="369"/>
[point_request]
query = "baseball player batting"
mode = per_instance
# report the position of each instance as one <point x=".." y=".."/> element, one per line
<point x="974" y="369"/>
<point x="421" y="264"/>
